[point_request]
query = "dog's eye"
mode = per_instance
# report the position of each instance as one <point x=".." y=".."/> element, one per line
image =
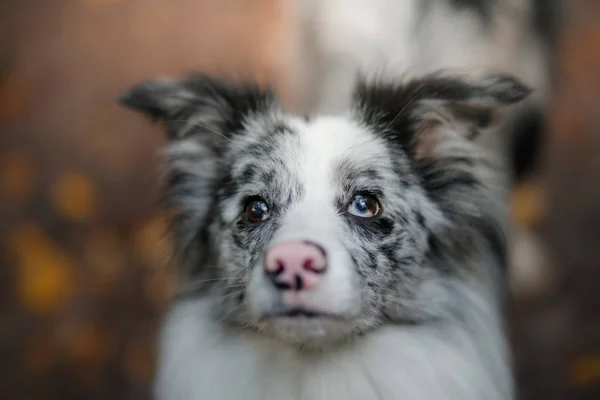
<point x="257" y="210"/>
<point x="364" y="206"/>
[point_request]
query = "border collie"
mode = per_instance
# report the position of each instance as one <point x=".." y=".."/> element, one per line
<point x="354" y="256"/>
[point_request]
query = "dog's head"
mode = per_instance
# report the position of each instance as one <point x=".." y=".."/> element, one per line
<point x="319" y="228"/>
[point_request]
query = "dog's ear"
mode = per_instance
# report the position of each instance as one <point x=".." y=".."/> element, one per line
<point x="160" y="99"/>
<point x="200" y="114"/>
<point x="419" y="113"/>
<point x="432" y="121"/>
<point x="198" y="104"/>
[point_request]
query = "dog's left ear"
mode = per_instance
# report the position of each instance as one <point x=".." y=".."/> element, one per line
<point x="418" y="112"/>
<point x="432" y="121"/>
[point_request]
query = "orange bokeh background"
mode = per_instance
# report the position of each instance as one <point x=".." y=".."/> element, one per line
<point x="84" y="274"/>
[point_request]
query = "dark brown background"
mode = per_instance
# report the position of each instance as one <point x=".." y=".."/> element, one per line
<point x="83" y="277"/>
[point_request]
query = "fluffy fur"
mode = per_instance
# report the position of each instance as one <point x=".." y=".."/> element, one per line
<point x="410" y="306"/>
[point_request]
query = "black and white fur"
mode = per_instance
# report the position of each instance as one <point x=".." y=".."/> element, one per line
<point x="410" y="307"/>
<point x="392" y="39"/>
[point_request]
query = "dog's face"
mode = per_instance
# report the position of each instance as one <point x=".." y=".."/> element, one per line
<point x="316" y="229"/>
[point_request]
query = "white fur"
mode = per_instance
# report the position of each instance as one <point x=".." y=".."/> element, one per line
<point x="457" y="360"/>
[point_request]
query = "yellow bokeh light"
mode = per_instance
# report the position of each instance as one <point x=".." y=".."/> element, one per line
<point x="586" y="371"/>
<point x="528" y="205"/>
<point x="75" y="197"/>
<point x="45" y="279"/>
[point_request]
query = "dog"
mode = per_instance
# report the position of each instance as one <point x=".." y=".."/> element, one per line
<point x="353" y="256"/>
<point x="337" y="40"/>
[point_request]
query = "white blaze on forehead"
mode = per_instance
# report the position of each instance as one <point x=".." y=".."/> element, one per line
<point x="328" y="141"/>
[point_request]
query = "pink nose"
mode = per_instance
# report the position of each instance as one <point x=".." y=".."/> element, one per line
<point x="295" y="265"/>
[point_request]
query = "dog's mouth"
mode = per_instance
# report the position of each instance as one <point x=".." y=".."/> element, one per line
<point x="305" y="326"/>
<point x="302" y="313"/>
<point x="297" y="312"/>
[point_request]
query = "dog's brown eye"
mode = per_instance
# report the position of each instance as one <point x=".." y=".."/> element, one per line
<point x="257" y="210"/>
<point x="364" y="206"/>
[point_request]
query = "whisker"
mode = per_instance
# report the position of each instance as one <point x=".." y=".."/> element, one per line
<point x="213" y="130"/>
<point x="226" y="278"/>
<point x="228" y="295"/>
<point x="417" y="93"/>
<point x="190" y="287"/>
<point x="233" y="286"/>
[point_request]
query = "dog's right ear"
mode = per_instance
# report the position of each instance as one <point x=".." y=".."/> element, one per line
<point x="160" y="99"/>
<point x="197" y="104"/>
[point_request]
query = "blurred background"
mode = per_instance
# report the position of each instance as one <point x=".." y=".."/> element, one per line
<point x="83" y="277"/>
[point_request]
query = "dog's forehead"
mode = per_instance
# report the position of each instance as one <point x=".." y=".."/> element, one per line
<point x="313" y="146"/>
<point x="336" y="139"/>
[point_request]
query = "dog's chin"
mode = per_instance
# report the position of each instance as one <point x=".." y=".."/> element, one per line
<point x="306" y="329"/>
